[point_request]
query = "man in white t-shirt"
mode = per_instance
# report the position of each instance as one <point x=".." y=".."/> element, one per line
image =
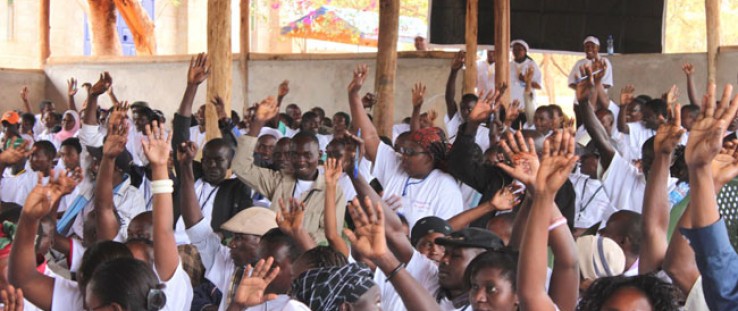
<point x="591" y="49"/>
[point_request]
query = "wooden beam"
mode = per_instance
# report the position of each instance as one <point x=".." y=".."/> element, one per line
<point x="245" y="49"/>
<point x="712" y="11"/>
<point x="502" y="45"/>
<point x="44" y="13"/>
<point x="220" y="55"/>
<point x="105" y="40"/>
<point x="470" y="74"/>
<point x="140" y="25"/>
<point x="389" y="20"/>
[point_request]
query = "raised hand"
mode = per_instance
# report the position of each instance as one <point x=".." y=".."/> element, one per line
<point x="484" y="107"/>
<point x="186" y="152"/>
<point x="118" y="114"/>
<point x="358" y="79"/>
<point x="459" y="60"/>
<point x="199" y="69"/>
<point x="14" y="155"/>
<point x="250" y="291"/>
<point x="525" y="163"/>
<point x="219" y="107"/>
<point x="117" y="137"/>
<point x="24" y="94"/>
<point x="599" y="67"/>
<point x="289" y="219"/>
<point x="368" y="237"/>
<point x="528" y="76"/>
<point x="333" y="171"/>
<point x="556" y="164"/>
<point x="38" y="202"/>
<point x="725" y="165"/>
<point x="156" y="146"/>
<point x="688" y="69"/>
<point x="669" y="133"/>
<point x="418" y="93"/>
<point x="627" y="95"/>
<point x="512" y="112"/>
<point x="266" y="110"/>
<point x="672" y="95"/>
<point x="586" y="83"/>
<point x="504" y="199"/>
<point x="72" y="86"/>
<point x="369" y="100"/>
<point x="102" y="85"/>
<point x="12" y="298"/>
<point x="705" y="138"/>
<point x="284" y="88"/>
<point x="65" y="182"/>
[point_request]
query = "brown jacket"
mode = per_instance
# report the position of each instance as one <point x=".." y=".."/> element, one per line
<point x="274" y="185"/>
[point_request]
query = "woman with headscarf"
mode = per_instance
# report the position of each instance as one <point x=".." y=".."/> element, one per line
<point x="69" y="128"/>
<point x="519" y="66"/>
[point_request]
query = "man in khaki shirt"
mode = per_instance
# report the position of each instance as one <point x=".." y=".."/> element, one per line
<point x="307" y="184"/>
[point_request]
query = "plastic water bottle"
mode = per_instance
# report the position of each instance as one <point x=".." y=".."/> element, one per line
<point x="610" y="45"/>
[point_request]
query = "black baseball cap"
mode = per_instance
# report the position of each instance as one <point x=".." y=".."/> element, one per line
<point x="427" y="225"/>
<point x="472" y="238"/>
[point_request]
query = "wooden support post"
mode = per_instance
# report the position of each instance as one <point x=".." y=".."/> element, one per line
<point x="389" y="20"/>
<point x="44" y="13"/>
<point x="220" y="55"/>
<point x="712" y="10"/>
<point x="502" y="45"/>
<point x="140" y="25"/>
<point x="470" y="74"/>
<point x="245" y="49"/>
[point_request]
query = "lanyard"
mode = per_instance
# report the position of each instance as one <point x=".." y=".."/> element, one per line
<point x="581" y="199"/>
<point x="202" y="204"/>
<point x="408" y="184"/>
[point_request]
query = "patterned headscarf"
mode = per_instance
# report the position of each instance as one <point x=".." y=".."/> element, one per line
<point x="425" y="137"/>
<point x="327" y="288"/>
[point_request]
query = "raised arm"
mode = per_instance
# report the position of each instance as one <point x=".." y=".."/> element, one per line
<point x="418" y="92"/>
<point x="189" y="205"/>
<point x="22" y="273"/>
<point x="603" y="101"/>
<point x="359" y="116"/>
<point x="626" y="97"/>
<point x="250" y="290"/>
<point x="332" y="174"/>
<point x="691" y="92"/>
<point x="585" y="96"/>
<point x="369" y="240"/>
<point x="656" y="198"/>
<point x="24" y="98"/>
<point x="283" y="90"/>
<point x="100" y="87"/>
<point x="71" y="91"/>
<point x="289" y="220"/>
<point x="558" y="160"/>
<point x="456" y="65"/>
<point x="197" y="72"/>
<point x="157" y="148"/>
<point x="115" y="143"/>
<point x="503" y="200"/>
<point x="565" y="272"/>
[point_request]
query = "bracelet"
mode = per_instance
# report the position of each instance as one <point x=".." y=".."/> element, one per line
<point x="162" y="186"/>
<point x="394" y="272"/>
<point x="558" y="222"/>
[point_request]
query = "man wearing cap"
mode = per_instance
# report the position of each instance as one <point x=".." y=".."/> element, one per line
<point x="591" y="50"/>
<point x="519" y="66"/>
<point x="424" y="234"/>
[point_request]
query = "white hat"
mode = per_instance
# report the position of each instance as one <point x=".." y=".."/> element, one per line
<point x="270" y="131"/>
<point x="599" y="257"/>
<point x="521" y="42"/>
<point x="592" y="39"/>
<point x="253" y="220"/>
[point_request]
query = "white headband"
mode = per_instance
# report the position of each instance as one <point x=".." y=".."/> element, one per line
<point x="592" y="39"/>
<point x="521" y="42"/>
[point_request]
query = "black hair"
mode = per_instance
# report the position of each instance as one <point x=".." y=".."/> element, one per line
<point x="235" y="117"/>
<point x="556" y="108"/>
<point x="308" y="115"/>
<point x="327" y="122"/>
<point x="220" y="143"/>
<point x="10" y="212"/>
<point x="306" y="135"/>
<point x="386" y="140"/>
<point x="319" y="111"/>
<point x="286" y="119"/>
<point x="658" y="106"/>
<point x="506" y="261"/>
<point x="661" y="295"/>
<point x="147" y="112"/>
<point x="72" y="142"/>
<point x="642" y="99"/>
<point x="275" y="236"/>
<point x="345" y="116"/>
<point x="546" y="109"/>
<point x="29" y="117"/>
<point x="632" y="228"/>
<point x="44" y="103"/>
<point x="96" y="255"/>
<point x="129" y="283"/>
<point x="46" y="148"/>
<point x="293" y="105"/>
<point x="322" y="257"/>
<point x="469" y="98"/>
<point x="690" y="109"/>
<point x="57" y="116"/>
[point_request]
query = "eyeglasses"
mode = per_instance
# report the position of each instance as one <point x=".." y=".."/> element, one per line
<point x="410" y="152"/>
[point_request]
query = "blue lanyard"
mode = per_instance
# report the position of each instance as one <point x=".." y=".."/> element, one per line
<point x="408" y="184"/>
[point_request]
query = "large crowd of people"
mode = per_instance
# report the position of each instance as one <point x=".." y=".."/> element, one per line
<point x="514" y="206"/>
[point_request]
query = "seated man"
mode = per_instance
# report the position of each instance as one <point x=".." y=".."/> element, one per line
<point x="307" y="184"/>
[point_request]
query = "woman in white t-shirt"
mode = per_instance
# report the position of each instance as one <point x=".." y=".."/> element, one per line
<point x="125" y="284"/>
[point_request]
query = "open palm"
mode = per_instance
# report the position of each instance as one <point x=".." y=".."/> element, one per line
<point x="368" y="238"/>
<point x="706" y="136"/>
<point x="250" y="291"/>
<point x="557" y="162"/>
<point x="525" y="163"/>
